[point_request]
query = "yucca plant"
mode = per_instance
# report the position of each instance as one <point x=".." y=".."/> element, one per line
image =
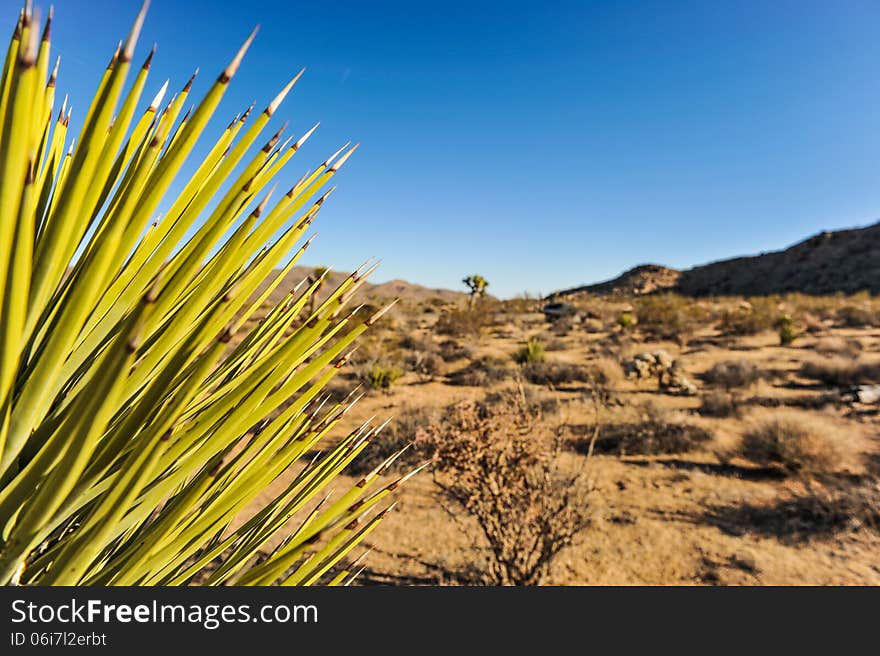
<point x="135" y="428"/>
<point x="531" y="351"/>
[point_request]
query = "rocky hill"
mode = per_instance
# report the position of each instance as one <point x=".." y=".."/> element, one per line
<point x="845" y="261"/>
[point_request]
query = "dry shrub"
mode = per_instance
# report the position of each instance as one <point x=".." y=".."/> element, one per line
<point x="549" y="372"/>
<point x="751" y="317"/>
<point x="481" y="373"/>
<point x="605" y="372"/>
<point x="667" y="316"/>
<point x="463" y="323"/>
<point x="719" y="404"/>
<point x="823" y="509"/>
<point x="495" y="465"/>
<point x="841" y="371"/>
<point x="657" y="432"/>
<point x="834" y="345"/>
<point x="553" y="343"/>
<point x="410" y="426"/>
<point x="798" y="442"/>
<point x="562" y="326"/>
<point x="733" y="374"/>
<point x="424" y="363"/>
<point x="857" y="316"/>
<point x="450" y="350"/>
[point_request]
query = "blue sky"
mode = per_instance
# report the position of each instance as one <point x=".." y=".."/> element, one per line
<point x="543" y="145"/>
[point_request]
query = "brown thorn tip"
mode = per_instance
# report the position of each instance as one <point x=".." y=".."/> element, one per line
<point x="47" y="31"/>
<point x="265" y="201"/>
<point x="230" y="70"/>
<point x="131" y="42"/>
<point x="149" y="59"/>
<point x="54" y="76"/>
<point x="189" y="83"/>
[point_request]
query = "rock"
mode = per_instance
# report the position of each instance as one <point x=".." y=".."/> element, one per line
<point x="867" y="394"/>
<point x="660" y="365"/>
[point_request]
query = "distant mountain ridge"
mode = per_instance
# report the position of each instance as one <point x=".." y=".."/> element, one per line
<point x="384" y="291"/>
<point x="841" y="261"/>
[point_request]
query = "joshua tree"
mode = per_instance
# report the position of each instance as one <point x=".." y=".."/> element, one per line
<point x="318" y="276"/>
<point x="477" y="285"/>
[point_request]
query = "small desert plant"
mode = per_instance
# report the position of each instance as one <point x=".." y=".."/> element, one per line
<point x="733" y="374"/>
<point x="134" y="426"/>
<point x="626" y="319"/>
<point x="798" y="442"/>
<point x="493" y="463"/>
<point x="380" y="375"/>
<point x="531" y="351"/>
<point x="786" y="329"/>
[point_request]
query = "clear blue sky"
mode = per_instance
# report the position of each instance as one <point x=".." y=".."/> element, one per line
<point x="543" y="145"/>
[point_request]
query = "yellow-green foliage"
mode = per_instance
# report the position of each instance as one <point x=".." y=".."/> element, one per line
<point x="626" y="320"/>
<point x="531" y="351"/>
<point x="787" y="331"/>
<point x="133" y="428"/>
<point x="381" y="376"/>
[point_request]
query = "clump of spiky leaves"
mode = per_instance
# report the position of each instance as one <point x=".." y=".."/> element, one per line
<point x="133" y="429"/>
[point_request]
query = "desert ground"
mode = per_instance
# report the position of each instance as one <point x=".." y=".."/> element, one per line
<point x="697" y="447"/>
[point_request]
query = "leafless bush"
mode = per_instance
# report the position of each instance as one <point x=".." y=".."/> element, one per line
<point x="493" y="464"/>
